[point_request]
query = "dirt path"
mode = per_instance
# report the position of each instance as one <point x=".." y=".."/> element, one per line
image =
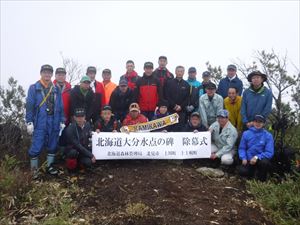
<point x="162" y="193"/>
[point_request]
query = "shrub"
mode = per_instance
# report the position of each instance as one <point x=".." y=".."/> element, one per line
<point x="281" y="200"/>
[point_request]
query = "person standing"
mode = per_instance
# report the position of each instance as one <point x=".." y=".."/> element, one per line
<point x="257" y="99"/>
<point x="44" y="119"/>
<point x="109" y="86"/>
<point x="65" y="89"/>
<point x="99" y="93"/>
<point x="162" y="73"/>
<point x="210" y="104"/>
<point x="120" y="100"/>
<point x="148" y="91"/>
<point x="231" y="80"/>
<point x="233" y="104"/>
<point x="131" y="75"/>
<point x="195" y="91"/>
<point x="177" y="92"/>
<point x="82" y="96"/>
<point x="206" y="79"/>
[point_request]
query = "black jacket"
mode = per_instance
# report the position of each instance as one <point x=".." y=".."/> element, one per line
<point x="78" y="100"/>
<point x="112" y="125"/>
<point x="194" y="97"/>
<point x="189" y="128"/>
<point x="177" y="92"/>
<point x="163" y="75"/>
<point x="120" y="102"/>
<point x="79" y="138"/>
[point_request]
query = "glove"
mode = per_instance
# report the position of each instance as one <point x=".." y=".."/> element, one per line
<point x="30" y="128"/>
<point x="190" y="108"/>
<point x="61" y="128"/>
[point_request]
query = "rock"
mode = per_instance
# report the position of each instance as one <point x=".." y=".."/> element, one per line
<point x="234" y="211"/>
<point x="210" y="172"/>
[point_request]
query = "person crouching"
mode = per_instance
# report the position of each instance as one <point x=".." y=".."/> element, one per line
<point x="224" y="136"/>
<point x="107" y="122"/>
<point x="194" y="125"/>
<point x="79" y="148"/>
<point x="134" y="116"/>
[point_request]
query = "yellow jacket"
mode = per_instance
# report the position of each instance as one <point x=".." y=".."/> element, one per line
<point x="234" y="109"/>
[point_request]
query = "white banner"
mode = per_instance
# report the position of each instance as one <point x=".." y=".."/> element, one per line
<point x="152" y="145"/>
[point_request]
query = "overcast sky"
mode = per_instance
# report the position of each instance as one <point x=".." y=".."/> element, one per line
<point x="106" y="34"/>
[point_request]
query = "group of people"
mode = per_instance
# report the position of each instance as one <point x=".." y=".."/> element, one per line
<point x="60" y="115"/>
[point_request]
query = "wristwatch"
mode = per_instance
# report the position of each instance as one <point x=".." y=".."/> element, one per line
<point x="255" y="157"/>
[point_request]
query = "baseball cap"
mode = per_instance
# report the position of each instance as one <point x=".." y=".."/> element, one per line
<point x="231" y="67"/>
<point x="206" y="74"/>
<point x="195" y="114"/>
<point x="223" y="113"/>
<point x="134" y="107"/>
<point x="260" y="118"/>
<point x="60" y="70"/>
<point x="79" y="112"/>
<point x="192" y="70"/>
<point x="85" y="78"/>
<point x="211" y="85"/>
<point x="107" y="107"/>
<point x="47" y="67"/>
<point x="148" y="65"/>
<point x="123" y="82"/>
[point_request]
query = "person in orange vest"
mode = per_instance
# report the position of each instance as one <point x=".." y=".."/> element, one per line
<point x="98" y="89"/>
<point x="109" y="86"/>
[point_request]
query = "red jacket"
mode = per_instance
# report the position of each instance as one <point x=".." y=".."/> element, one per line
<point x="130" y="121"/>
<point x="147" y="93"/>
<point x="131" y="78"/>
<point x="65" y="93"/>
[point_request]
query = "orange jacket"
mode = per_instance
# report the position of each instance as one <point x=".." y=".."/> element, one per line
<point x="108" y="89"/>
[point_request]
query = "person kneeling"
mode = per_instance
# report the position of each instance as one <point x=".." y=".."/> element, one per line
<point x="134" y="116"/>
<point x="107" y="122"/>
<point x="224" y="136"/>
<point x="256" y="150"/>
<point x="194" y="124"/>
<point x="78" y="148"/>
<point x="161" y="112"/>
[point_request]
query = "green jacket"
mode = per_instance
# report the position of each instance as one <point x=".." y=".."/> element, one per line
<point x="225" y="140"/>
<point x="209" y="109"/>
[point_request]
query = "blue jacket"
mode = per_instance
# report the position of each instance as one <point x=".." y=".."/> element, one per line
<point x="38" y="115"/>
<point x="196" y="84"/>
<point x="226" y="83"/>
<point x="256" y="142"/>
<point x="256" y="103"/>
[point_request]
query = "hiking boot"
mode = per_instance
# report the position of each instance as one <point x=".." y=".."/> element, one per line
<point x="35" y="174"/>
<point x="52" y="171"/>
